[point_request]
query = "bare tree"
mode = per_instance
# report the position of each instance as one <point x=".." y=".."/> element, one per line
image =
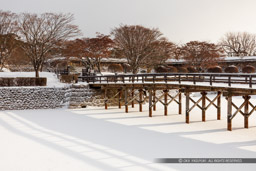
<point x="239" y="44"/>
<point x="42" y="33"/>
<point x="8" y="40"/>
<point x="201" y="54"/>
<point x="139" y="45"/>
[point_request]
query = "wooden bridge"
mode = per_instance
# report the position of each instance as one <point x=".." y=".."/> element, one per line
<point x="141" y="87"/>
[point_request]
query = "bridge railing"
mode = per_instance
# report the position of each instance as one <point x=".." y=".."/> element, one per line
<point x="192" y="78"/>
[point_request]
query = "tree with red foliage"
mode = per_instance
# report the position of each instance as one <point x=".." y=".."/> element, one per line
<point x="90" y="50"/>
<point x="201" y="54"/>
<point x="98" y="48"/>
<point x="8" y="40"/>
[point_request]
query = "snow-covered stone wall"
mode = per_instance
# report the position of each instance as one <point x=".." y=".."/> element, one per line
<point x="76" y="96"/>
<point x="32" y="98"/>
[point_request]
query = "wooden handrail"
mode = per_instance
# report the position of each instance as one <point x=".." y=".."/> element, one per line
<point x="227" y="78"/>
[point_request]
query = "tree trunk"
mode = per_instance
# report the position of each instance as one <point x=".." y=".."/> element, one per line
<point x="41" y="68"/>
<point x="37" y="73"/>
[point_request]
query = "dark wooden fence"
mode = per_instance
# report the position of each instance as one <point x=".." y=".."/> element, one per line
<point x="227" y="79"/>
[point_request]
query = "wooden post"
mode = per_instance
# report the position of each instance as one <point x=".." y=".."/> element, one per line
<point x="140" y="96"/>
<point x="106" y="98"/>
<point x="165" y="102"/>
<point x="187" y="107"/>
<point x="180" y="102"/>
<point x="229" y="98"/>
<point x="150" y="102"/>
<point x="120" y="98"/>
<point x="246" y="111"/>
<point x="154" y="99"/>
<point x="132" y="98"/>
<point x="203" y="105"/>
<point x="126" y="100"/>
<point x="219" y="106"/>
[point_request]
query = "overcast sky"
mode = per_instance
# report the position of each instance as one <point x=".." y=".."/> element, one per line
<point x="179" y="20"/>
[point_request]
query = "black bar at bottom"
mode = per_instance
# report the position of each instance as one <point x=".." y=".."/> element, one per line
<point x="206" y="160"/>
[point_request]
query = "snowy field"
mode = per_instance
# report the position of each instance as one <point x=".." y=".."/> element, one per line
<point x="98" y="139"/>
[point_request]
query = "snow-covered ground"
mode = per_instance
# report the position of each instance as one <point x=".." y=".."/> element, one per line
<point x="98" y="139"/>
<point x="52" y="80"/>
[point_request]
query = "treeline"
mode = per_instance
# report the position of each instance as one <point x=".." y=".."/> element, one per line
<point x="34" y="38"/>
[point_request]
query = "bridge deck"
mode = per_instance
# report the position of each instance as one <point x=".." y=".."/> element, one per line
<point x="184" y="87"/>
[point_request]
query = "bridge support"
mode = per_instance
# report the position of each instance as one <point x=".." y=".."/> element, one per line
<point x="126" y="99"/>
<point x="140" y="99"/>
<point x="166" y="96"/>
<point x="246" y="114"/>
<point x="154" y="99"/>
<point x="106" y="98"/>
<point x="120" y="98"/>
<point x="203" y="105"/>
<point x="150" y="102"/>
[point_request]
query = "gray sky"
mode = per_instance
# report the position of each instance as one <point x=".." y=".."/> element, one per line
<point x="179" y="20"/>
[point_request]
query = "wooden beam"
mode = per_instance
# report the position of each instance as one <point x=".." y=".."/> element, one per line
<point x="229" y="115"/>
<point x="106" y="98"/>
<point x="246" y="111"/>
<point x="187" y="107"/>
<point x="150" y="102"/>
<point x="120" y="98"/>
<point x="140" y="97"/>
<point x="126" y="100"/>
<point x="219" y="106"/>
<point x="154" y="99"/>
<point x="203" y="105"/>
<point x="166" y="102"/>
<point x="180" y="102"/>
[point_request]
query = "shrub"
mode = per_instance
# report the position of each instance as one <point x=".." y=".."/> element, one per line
<point x="231" y="69"/>
<point x="127" y="68"/>
<point x="191" y="70"/>
<point x="215" y="69"/>
<point x="248" y="69"/>
<point x="69" y="78"/>
<point x="172" y="69"/>
<point x="23" y="81"/>
<point x="161" y="69"/>
<point x="182" y="70"/>
<point x="115" y="68"/>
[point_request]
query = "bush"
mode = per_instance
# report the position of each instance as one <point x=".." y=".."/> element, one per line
<point x="69" y="78"/>
<point x="215" y="69"/>
<point x="143" y="71"/>
<point x="248" y="69"/>
<point x="115" y="68"/>
<point x="22" y="81"/>
<point x="172" y="69"/>
<point x="161" y="69"/>
<point x="182" y="70"/>
<point x="191" y="70"/>
<point x="127" y="68"/>
<point x="231" y="69"/>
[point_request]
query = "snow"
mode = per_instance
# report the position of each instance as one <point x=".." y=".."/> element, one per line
<point x="52" y="80"/>
<point x="98" y="139"/>
<point x="112" y="60"/>
<point x="227" y="59"/>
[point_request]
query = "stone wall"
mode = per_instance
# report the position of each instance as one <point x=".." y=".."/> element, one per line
<point x="32" y="98"/>
<point x="75" y="96"/>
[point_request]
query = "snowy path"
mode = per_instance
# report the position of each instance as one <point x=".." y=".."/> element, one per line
<point x="95" y="139"/>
